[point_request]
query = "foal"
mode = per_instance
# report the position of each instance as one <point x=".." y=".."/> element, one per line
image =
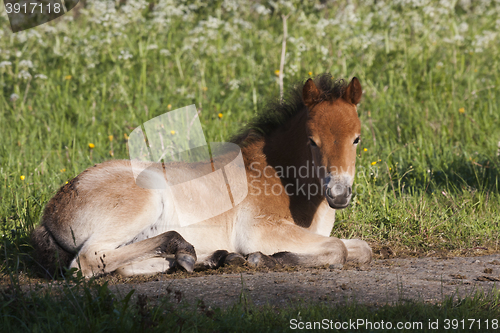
<point x="299" y="160"/>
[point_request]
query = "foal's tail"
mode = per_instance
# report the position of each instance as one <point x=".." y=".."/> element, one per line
<point x="49" y="256"/>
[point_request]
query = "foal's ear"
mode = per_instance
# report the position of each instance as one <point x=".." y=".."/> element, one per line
<point x="310" y="92"/>
<point x="353" y="92"/>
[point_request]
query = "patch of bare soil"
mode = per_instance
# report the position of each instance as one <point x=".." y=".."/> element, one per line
<point x="384" y="281"/>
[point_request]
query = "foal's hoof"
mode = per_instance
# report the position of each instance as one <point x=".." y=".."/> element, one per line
<point x="234" y="259"/>
<point x="258" y="259"/>
<point x="186" y="261"/>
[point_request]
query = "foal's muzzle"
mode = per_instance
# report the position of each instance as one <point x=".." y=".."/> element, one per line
<point x="338" y="195"/>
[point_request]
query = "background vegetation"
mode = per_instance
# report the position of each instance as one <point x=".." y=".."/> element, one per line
<point x="428" y="170"/>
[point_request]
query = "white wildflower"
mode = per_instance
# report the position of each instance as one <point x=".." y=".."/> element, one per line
<point x="232" y="47"/>
<point x="165" y="52"/>
<point x="319" y="6"/>
<point x="230" y="5"/>
<point x="14" y="97"/>
<point x="465" y="4"/>
<point x="321" y="25"/>
<point x="482" y="41"/>
<point x="125" y="55"/>
<point x="4" y="64"/>
<point x="463" y="27"/>
<point x="152" y="47"/>
<point x="234" y="84"/>
<point x="262" y="10"/>
<point x="41" y="76"/>
<point x="181" y="91"/>
<point x="212" y="23"/>
<point x="429" y="11"/>
<point x="25" y="75"/>
<point x="447" y="4"/>
<point x="350" y="14"/>
<point x="293" y="69"/>
<point x="282" y="4"/>
<point x="25" y="64"/>
<point x="324" y="51"/>
<point x="244" y="24"/>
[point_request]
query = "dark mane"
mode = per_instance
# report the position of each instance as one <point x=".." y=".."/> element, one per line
<point x="278" y="112"/>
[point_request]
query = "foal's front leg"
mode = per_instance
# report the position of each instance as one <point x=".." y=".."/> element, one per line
<point x="358" y="251"/>
<point x="289" y="244"/>
<point x="219" y="258"/>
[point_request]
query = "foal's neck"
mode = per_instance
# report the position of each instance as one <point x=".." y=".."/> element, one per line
<point x="287" y="151"/>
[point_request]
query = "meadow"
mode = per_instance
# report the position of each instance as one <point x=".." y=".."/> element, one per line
<point x="428" y="175"/>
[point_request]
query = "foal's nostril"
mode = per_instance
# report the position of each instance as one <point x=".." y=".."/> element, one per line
<point x="348" y="192"/>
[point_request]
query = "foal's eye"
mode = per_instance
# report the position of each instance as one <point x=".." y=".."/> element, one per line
<point x="356" y="141"/>
<point x="312" y="143"/>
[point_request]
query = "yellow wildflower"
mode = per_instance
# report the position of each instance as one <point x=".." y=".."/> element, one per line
<point x="111" y="153"/>
<point x="365" y="149"/>
<point x="461" y="110"/>
<point x="110" y="137"/>
<point x="277" y="72"/>
<point x="169" y="106"/>
<point x="63" y="170"/>
<point x="204" y="88"/>
<point x="125" y="136"/>
<point x="475" y="70"/>
<point x="91" y="145"/>
<point x="68" y="77"/>
<point x="22" y="177"/>
<point x="172" y="132"/>
<point x="310" y="73"/>
<point x="373" y="163"/>
<point x="220" y="115"/>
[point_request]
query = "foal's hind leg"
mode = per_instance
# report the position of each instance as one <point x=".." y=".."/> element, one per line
<point x="147" y="267"/>
<point x="92" y="260"/>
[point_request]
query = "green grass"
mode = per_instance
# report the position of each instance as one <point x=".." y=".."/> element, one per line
<point x="428" y="181"/>
<point x="88" y="306"/>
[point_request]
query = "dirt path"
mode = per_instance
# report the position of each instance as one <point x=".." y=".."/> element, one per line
<point x="384" y="281"/>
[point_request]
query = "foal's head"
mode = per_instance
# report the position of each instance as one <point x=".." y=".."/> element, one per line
<point x="333" y="129"/>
